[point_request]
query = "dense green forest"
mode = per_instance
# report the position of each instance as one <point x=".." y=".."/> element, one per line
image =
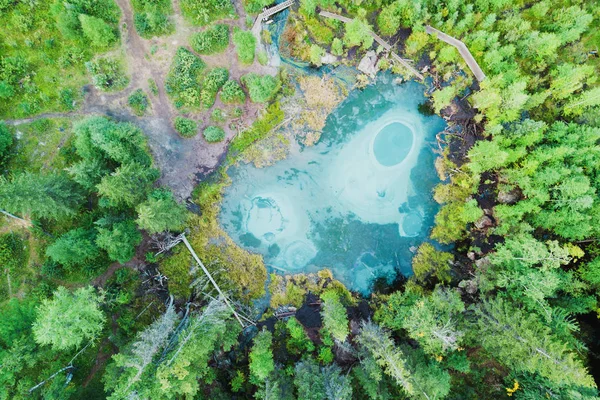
<point x="99" y="297"/>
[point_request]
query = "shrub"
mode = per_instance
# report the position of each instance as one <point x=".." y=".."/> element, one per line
<point x="153" y="86"/>
<point x="261" y="88"/>
<point x="245" y="46"/>
<point x="182" y="82"/>
<point x="232" y="92"/>
<point x="263" y="57"/>
<point x="203" y="12"/>
<point x="214" y="134"/>
<point x="316" y="53"/>
<point x="186" y="127"/>
<point x="152" y="17"/>
<point x="212" y="83"/>
<point x="337" y="48"/>
<point x="138" y="101"/>
<point x="218" y="115"/>
<point x="6" y="140"/>
<point x="98" y="32"/>
<point x="107" y="74"/>
<point x="256" y="6"/>
<point x="213" y="40"/>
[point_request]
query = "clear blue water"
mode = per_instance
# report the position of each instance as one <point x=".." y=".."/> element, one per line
<point x="354" y="203"/>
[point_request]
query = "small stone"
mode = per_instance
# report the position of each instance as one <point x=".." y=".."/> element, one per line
<point x="508" y="197"/>
<point x="471" y="256"/>
<point x="484" y="222"/>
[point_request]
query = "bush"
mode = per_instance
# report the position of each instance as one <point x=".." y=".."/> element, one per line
<point x="214" y="134"/>
<point x="218" y="115"/>
<point x="98" y="32"/>
<point x="107" y="74"/>
<point x="152" y="17"/>
<point x="263" y="57"/>
<point x="337" y="48"/>
<point x="212" y="83"/>
<point x="256" y="6"/>
<point x="316" y="53"/>
<point x="213" y="40"/>
<point x="203" y="12"/>
<point x="232" y="92"/>
<point x="182" y="83"/>
<point x="261" y="88"/>
<point x="138" y="101"/>
<point x="186" y="127"/>
<point x="6" y="140"/>
<point x="245" y="46"/>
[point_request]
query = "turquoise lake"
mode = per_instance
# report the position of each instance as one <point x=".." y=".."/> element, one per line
<point x="358" y="202"/>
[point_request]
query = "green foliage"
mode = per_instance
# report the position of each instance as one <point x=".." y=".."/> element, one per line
<point x="261" y="356"/>
<point x="6" y="141"/>
<point x="432" y="321"/>
<point x="203" y="12"/>
<point x="151" y="17"/>
<point x="429" y="262"/>
<point x="119" y="239"/>
<point x="182" y="82"/>
<point x="75" y="248"/>
<point x="211" y="84"/>
<point x="12" y="254"/>
<point x="128" y="185"/>
<point x="213" y="134"/>
<point x="261" y="88"/>
<point x="262" y="57"/>
<point x="299" y="342"/>
<point x="232" y="93"/>
<point x="245" y="46"/>
<point x="337" y="48"/>
<point x="309" y="381"/>
<point x="186" y="127"/>
<point x="161" y="213"/>
<point x="335" y="320"/>
<point x="107" y="74"/>
<point x="316" y="53"/>
<point x="212" y="40"/>
<point x="98" y="32"/>
<point x="523" y="343"/>
<point x="256" y="6"/>
<point x="396" y="14"/>
<point x="50" y="196"/>
<point x="358" y="33"/>
<point x="138" y="101"/>
<point x="69" y="319"/>
<point x="260" y="128"/>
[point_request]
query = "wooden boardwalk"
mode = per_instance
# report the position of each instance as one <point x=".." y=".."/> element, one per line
<point x="266" y="14"/>
<point x="462" y="49"/>
<point x="378" y="39"/>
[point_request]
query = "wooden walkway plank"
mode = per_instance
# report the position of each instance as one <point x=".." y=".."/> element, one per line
<point x="378" y="39"/>
<point x="462" y="49"/>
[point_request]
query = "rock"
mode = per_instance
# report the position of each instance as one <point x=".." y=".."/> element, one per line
<point x="328" y="58"/>
<point x="508" y="197"/>
<point x="368" y="64"/>
<point x="398" y="81"/>
<point x="484" y="222"/>
<point x="471" y="256"/>
<point x="469" y="286"/>
<point x="482" y="263"/>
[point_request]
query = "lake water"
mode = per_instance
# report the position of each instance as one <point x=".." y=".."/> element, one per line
<point x="354" y="203"/>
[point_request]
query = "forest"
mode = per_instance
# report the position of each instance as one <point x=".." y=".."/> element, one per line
<point x="121" y="122"/>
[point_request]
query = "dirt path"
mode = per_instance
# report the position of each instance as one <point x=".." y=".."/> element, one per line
<point x="182" y="162"/>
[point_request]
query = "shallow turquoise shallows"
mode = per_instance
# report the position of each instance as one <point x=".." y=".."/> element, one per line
<point x="357" y="203"/>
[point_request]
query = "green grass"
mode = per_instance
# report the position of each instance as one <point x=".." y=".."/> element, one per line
<point x="38" y="63"/>
<point x="203" y="12"/>
<point x="151" y="17"/>
<point x="42" y="145"/>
